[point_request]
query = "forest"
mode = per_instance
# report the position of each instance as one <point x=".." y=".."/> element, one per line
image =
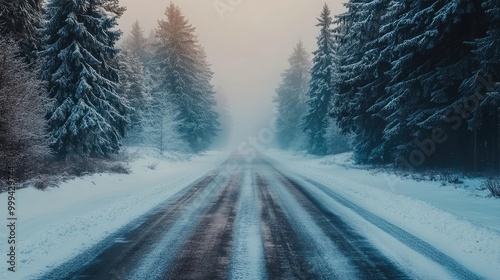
<point x="412" y="84"/>
<point x="71" y="97"/>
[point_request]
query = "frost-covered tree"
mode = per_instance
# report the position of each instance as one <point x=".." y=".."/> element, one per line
<point x="24" y="141"/>
<point x="320" y="91"/>
<point x="360" y="75"/>
<point x="410" y="70"/>
<point x="186" y="76"/>
<point x="88" y="117"/>
<point x="135" y="87"/>
<point x="337" y="142"/>
<point x="208" y="117"/>
<point x="431" y="61"/>
<point x="160" y="124"/>
<point x="137" y="44"/>
<point x="225" y="120"/>
<point x="113" y="7"/>
<point x="21" y="20"/>
<point x="291" y="98"/>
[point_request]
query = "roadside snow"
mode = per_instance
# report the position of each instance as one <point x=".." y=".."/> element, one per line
<point x="461" y="222"/>
<point x="53" y="225"/>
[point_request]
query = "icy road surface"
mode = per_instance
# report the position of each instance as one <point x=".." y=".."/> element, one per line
<point x="252" y="220"/>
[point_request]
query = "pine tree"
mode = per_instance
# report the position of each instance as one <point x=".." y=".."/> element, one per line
<point x="135" y="87"/>
<point x="320" y="91"/>
<point x="186" y="78"/>
<point x="431" y="62"/>
<point x="208" y="122"/>
<point x="360" y="76"/>
<point x="137" y="44"/>
<point x="88" y="117"/>
<point x="225" y="120"/>
<point x="486" y="53"/>
<point x="22" y="20"/>
<point x="113" y="7"/>
<point x="160" y="123"/>
<point x="291" y="98"/>
<point x="404" y="74"/>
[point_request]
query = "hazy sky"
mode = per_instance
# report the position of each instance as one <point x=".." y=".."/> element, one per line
<point x="248" y="45"/>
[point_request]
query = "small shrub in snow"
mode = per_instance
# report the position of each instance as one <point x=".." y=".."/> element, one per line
<point x="43" y="182"/>
<point x="153" y="165"/>
<point x="452" y="178"/>
<point x="493" y="185"/>
<point x="119" y="168"/>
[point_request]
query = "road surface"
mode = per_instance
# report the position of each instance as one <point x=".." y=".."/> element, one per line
<point x="253" y="220"/>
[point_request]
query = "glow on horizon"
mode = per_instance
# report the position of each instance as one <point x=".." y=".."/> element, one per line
<point x="247" y="42"/>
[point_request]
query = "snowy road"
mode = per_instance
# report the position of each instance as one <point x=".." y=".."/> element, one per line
<point x="260" y="222"/>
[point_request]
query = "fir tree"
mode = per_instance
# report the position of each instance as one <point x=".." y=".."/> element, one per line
<point x="320" y="91"/>
<point x="22" y="20"/>
<point x="185" y="77"/>
<point x="404" y="74"/>
<point x="431" y="61"/>
<point x="360" y="76"/>
<point x="225" y="120"/>
<point x="160" y="124"/>
<point x="135" y="87"/>
<point x="113" y="8"/>
<point x="486" y="56"/>
<point x="137" y="44"/>
<point x="88" y="117"/>
<point x="291" y="98"/>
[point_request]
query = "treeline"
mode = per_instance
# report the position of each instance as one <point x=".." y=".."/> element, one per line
<point x="302" y="100"/>
<point x="414" y="82"/>
<point x="68" y="91"/>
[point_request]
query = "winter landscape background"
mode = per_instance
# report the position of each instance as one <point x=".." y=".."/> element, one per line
<point x="376" y="120"/>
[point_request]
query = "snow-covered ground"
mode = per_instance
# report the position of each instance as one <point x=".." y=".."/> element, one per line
<point x="56" y="223"/>
<point x="462" y="222"/>
<point x="53" y="225"/>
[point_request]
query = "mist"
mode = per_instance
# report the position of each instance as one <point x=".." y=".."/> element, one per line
<point x="247" y="43"/>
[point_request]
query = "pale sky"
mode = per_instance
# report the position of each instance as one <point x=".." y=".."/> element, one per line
<point x="248" y="46"/>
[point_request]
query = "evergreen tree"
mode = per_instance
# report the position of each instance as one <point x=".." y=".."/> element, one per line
<point x="360" y="76"/>
<point x="136" y="43"/>
<point x="291" y="98"/>
<point x="404" y="76"/>
<point x="225" y="119"/>
<point x="320" y="91"/>
<point x="22" y="20"/>
<point x="208" y="117"/>
<point x="88" y="117"/>
<point x="431" y="62"/>
<point x="160" y="124"/>
<point x="185" y="77"/>
<point x="135" y="87"/>
<point x="113" y="8"/>
<point x="486" y="52"/>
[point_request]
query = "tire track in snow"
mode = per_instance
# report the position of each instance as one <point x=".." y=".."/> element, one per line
<point x="115" y="256"/>
<point x="206" y="252"/>
<point x="284" y="253"/>
<point x="324" y="257"/>
<point x="369" y="261"/>
<point x="457" y="270"/>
